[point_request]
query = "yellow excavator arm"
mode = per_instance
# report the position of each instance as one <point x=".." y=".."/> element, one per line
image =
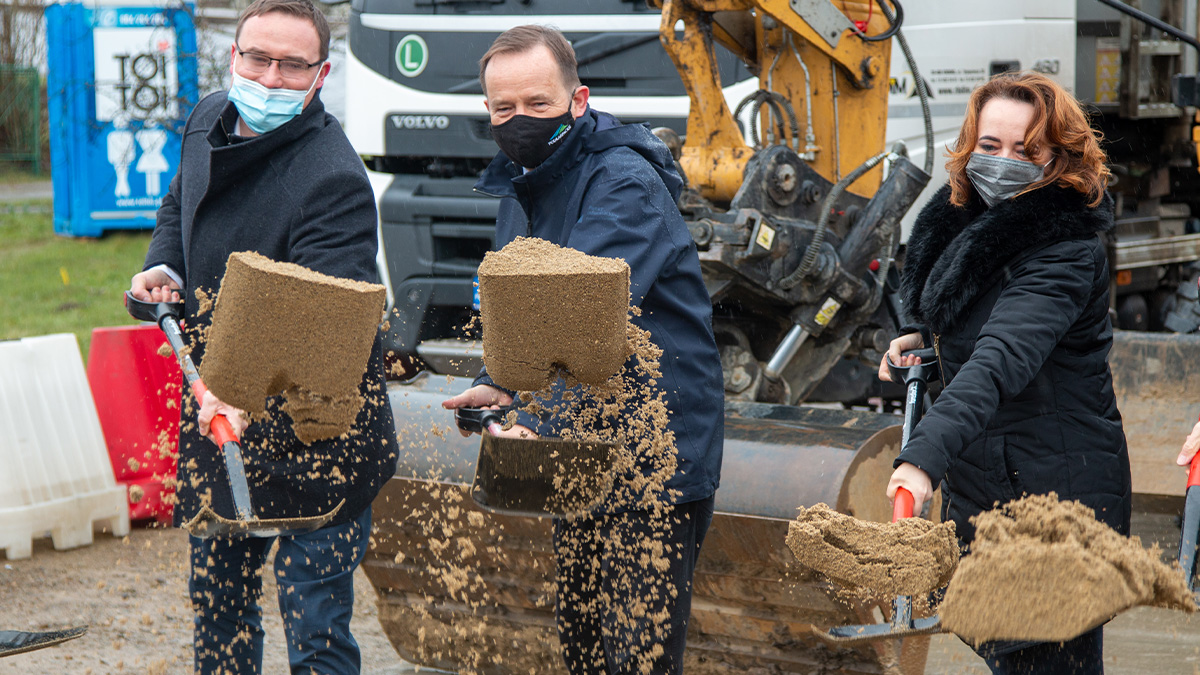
<point x="824" y="87"/>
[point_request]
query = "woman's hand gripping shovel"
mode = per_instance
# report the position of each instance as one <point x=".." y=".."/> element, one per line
<point x="535" y="477"/>
<point x="1189" y="533"/>
<point x="207" y="523"/>
<point x="916" y="378"/>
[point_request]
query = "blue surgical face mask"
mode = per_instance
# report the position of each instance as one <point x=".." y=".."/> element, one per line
<point x="264" y="109"/>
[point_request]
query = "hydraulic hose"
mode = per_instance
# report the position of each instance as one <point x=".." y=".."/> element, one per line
<point x="779" y="106"/>
<point x="893" y="24"/>
<point x="814" y="246"/>
<point x="781" y="100"/>
<point x="922" y="92"/>
<point x="810" y="139"/>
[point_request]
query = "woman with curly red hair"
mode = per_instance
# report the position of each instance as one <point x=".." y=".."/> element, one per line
<point x="1006" y="276"/>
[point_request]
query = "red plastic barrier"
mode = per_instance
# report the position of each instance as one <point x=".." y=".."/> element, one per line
<point x="137" y="397"/>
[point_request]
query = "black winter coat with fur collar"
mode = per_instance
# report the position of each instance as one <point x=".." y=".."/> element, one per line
<point x="1016" y="299"/>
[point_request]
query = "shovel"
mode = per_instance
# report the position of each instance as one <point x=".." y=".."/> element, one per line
<point x="537" y="478"/>
<point x="916" y="378"/>
<point x="1190" y="532"/>
<point x="207" y="523"/>
<point x="18" y="642"/>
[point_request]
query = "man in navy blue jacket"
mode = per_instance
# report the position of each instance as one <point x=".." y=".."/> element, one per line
<point x="577" y="177"/>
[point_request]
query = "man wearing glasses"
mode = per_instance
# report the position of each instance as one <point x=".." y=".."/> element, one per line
<point x="265" y="169"/>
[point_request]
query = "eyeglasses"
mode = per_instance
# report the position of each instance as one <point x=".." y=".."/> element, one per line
<point x="258" y="63"/>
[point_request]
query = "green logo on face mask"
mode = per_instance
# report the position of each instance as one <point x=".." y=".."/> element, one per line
<point x="412" y="55"/>
<point x="558" y="133"/>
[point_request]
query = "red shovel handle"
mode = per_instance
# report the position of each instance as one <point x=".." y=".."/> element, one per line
<point x="902" y="505"/>
<point x="1194" y="473"/>
<point x="221" y="429"/>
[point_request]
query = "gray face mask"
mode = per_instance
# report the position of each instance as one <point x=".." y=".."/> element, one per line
<point x="1000" y="178"/>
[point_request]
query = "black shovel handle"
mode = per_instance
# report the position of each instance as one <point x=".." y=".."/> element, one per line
<point x="143" y="310"/>
<point x="166" y="315"/>
<point x="926" y="370"/>
<point x="475" y="420"/>
<point x="916" y="378"/>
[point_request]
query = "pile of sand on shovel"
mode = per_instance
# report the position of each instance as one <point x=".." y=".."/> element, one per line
<point x="545" y="308"/>
<point x="279" y="328"/>
<point x="912" y="556"/>
<point x="1046" y="570"/>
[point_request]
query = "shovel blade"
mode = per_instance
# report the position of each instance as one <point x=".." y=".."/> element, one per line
<point x="541" y="478"/>
<point x="851" y="636"/>
<point x="208" y="523"/>
<point x="18" y="642"/>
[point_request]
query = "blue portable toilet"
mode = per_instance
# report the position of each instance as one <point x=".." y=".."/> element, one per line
<point x="121" y="82"/>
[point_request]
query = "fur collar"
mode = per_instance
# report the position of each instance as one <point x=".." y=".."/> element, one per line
<point x="954" y="252"/>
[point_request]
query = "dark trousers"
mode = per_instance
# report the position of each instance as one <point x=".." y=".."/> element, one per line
<point x="1082" y="656"/>
<point x="314" y="573"/>
<point x="624" y="584"/>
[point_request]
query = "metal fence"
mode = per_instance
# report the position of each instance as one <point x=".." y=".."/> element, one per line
<point x="20" y="115"/>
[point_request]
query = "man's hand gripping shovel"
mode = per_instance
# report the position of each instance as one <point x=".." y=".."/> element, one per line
<point x="916" y="378"/>
<point x="207" y="523"/>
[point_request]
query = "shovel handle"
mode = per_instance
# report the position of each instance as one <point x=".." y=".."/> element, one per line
<point x="222" y="430"/>
<point x="1194" y="472"/>
<point x="902" y="505"/>
<point x="926" y="371"/>
<point x="475" y="420"/>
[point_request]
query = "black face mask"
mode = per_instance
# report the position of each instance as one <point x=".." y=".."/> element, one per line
<point x="529" y="141"/>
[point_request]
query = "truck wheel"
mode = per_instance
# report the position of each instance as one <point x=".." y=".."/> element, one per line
<point x="1133" y="313"/>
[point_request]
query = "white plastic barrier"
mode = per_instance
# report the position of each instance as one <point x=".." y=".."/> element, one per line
<point x="55" y="475"/>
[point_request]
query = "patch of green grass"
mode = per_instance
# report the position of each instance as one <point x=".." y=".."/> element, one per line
<point x="51" y="284"/>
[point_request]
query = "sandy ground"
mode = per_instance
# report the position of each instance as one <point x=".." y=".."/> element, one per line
<point x="1143" y="641"/>
<point x="132" y="592"/>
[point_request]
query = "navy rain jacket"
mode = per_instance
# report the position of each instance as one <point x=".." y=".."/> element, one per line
<point x="611" y="191"/>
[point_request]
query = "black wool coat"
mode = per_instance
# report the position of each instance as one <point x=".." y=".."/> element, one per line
<point x="1016" y="299"/>
<point x="298" y="194"/>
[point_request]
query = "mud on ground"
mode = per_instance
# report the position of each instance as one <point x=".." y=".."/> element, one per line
<point x="133" y="593"/>
<point x="114" y="584"/>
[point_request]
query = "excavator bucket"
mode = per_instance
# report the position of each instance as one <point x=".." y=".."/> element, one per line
<point x="467" y="590"/>
<point x="1157" y="381"/>
<point x="463" y="589"/>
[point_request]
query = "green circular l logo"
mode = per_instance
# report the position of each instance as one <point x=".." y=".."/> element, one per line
<point x="412" y="55"/>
